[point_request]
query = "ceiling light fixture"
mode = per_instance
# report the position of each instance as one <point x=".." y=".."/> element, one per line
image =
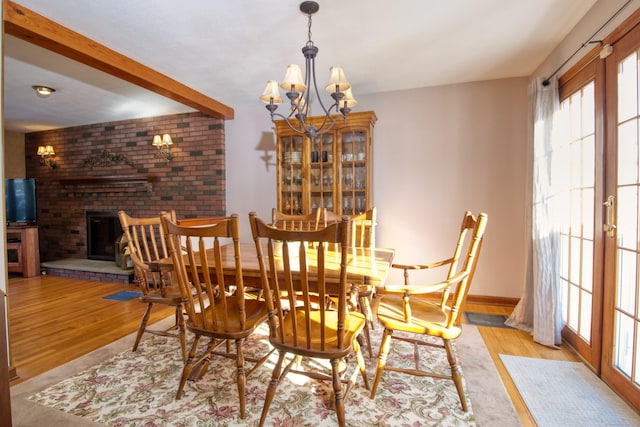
<point x="43" y="91"/>
<point x="299" y="90"/>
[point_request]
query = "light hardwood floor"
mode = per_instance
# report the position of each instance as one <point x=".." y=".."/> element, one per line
<point x="53" y="320"/>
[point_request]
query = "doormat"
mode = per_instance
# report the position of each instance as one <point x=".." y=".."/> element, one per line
<point x="563" y="393"/>
<point x="123" y="295"/>
<point x="486" y="319"/>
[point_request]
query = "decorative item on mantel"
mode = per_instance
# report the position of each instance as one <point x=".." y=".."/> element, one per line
<point x="46" y="154"/>
<point x="163" y="143"/>
<point x="106" y="159"/>
<point x="299" y="90"/>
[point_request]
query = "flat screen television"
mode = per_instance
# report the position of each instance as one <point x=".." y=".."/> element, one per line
<point x="20" y="200"/>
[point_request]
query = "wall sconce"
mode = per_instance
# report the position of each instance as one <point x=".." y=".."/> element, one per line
<point x="162" y="143"/>
<point x="46" y="154"/>
<point x="43" y="91"/>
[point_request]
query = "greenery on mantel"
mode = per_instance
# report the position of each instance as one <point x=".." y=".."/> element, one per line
<point x="106" y="159"/>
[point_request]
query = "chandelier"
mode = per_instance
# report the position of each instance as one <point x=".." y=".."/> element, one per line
<point x="299" y="90"/>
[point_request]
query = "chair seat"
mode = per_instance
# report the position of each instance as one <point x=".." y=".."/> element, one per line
<point x="171" y="296"/>
<point x="354" y="323"/>
<point x="426" y="317"/>
<point x="255" y="313"/>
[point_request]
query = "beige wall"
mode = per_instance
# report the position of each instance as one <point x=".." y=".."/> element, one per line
<point x="14" y="165"/>
<point x="437" y="153"/>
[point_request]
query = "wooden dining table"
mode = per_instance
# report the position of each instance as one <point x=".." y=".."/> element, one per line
<point x="365" y="266"/>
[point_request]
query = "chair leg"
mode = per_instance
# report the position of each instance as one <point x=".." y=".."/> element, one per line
<point x="361" y="364"/>
<point x="143" y="325"/>
<point x="364" y="301"/>
<point x="241" y="377"/>
<point x="273" y="385"/>
<point x="188" y="366"/>
<point x="455" y="373"/>
<point x="337" y="391"/>
<point x="365" y="308"/>
<point x="367" y="338"/>
<point x="182" y="332"/>
<point x="385" y="346"/>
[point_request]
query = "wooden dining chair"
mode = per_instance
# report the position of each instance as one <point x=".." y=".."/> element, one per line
<point x="146" y="245"/>
<point x="431" y="309"/>
<point x="297" y="323"/>
<point x="285" y="221"/>
<point x="217" y="307"/>
<point x="362" y="235"/>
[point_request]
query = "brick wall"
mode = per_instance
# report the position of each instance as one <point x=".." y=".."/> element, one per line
<point x="192" y="183"/>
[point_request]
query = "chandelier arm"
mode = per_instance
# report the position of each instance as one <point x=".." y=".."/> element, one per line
<point x="311" y="65"/>
<point x="286" y="120"/>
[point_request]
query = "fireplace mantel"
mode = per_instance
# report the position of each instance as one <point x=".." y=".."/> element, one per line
<point x="108" y="180"/>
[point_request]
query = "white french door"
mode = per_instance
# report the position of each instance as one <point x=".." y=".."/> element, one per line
<point x="621" y="326"/>
<point x="600" y="221"/>
<point x="580" y="147"/>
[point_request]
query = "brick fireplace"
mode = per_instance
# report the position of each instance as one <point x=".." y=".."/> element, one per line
<point x="112" y="166"/>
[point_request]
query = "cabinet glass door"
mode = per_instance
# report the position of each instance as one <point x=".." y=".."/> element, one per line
<point x="291" y="174"/>
<point x="321" y="172"/>
<point x="354" y="172"/>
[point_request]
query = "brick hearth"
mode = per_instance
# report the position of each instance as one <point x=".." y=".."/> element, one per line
<point x="103" y="271"/>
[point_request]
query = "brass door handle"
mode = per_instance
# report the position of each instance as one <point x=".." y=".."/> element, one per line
<point x="609" y="227"/>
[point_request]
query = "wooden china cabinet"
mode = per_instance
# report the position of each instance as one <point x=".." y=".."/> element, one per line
<point x="334" y="170"/>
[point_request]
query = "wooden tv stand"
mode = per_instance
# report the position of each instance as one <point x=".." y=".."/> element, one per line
<point x="24" y="240"/>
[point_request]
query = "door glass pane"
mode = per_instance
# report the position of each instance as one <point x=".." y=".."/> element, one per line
<point x="585" y="316"/>
<point x="624" y="340"/>
<point x="626" y="283"/>
<point x="628" y="153"/>
<point x="627" y="223"/>
<point x="574" y="275"/>
<point x="588" y="104"/>
<point x="627" y="88"/>
<point x="574" y="299"/>
<point x="588" y="168"/>
<point x="587" y="265"/>
<point x="588" y="201"/>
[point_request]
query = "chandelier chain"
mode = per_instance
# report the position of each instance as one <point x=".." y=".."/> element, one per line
<point x="309" y="42"/>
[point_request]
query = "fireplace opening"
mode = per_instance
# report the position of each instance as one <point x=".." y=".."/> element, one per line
<point x="103" y="229"/>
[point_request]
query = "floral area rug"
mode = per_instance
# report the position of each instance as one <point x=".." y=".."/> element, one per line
<point x="138" y="389"/>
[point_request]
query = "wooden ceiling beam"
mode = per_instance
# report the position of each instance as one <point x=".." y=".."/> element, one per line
<point x="28" y="25"/>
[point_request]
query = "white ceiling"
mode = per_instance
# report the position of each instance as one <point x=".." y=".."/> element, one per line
<point x="227" y="49"/>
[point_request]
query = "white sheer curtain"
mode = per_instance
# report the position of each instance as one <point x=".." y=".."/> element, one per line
<point x="540" y="308"/>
